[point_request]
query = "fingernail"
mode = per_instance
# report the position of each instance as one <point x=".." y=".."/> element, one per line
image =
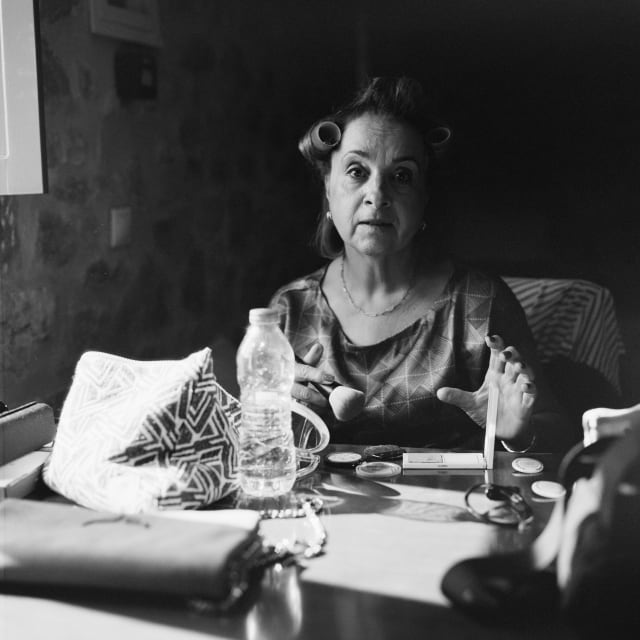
<point x="507" y="355"/>
<point x="328" y="378"/>
<point x="493" y="338"/>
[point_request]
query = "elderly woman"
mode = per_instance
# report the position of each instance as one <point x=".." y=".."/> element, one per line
<point x="387" y="314"/>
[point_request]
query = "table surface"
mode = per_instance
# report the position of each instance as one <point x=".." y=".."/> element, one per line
<point x="389" y="544"/>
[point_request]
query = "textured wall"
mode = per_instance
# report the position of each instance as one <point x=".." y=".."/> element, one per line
<point x="543" y="100"/>
<point x="220" y="200"/>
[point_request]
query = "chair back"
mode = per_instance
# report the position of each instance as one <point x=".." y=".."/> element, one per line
<point x="578" y="339"/>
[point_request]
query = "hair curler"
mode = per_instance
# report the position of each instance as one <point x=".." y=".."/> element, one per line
<point x="325" y="135"/>
<point x="439" y="139"/>
<point x="320" y="139"/>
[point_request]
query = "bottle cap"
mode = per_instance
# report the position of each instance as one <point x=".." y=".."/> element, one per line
<point x="263" y="315"/>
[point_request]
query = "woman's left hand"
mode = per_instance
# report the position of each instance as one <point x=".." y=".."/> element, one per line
<point x="517" y="394"/>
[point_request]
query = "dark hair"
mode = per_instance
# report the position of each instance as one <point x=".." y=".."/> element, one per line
<point x="401" y="99"/>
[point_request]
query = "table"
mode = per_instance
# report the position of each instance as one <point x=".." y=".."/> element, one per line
<point x="389" y="544"/>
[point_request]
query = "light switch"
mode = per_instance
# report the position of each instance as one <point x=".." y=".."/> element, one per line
<point x="120" y="226"/>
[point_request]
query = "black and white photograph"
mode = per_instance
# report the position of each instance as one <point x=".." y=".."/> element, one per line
<point x="319" y="319"/>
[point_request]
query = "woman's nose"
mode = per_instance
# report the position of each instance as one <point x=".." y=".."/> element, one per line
<point x="376" y="195"/>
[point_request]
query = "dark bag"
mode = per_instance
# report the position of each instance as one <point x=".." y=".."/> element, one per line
<point x="25" y="433"/>
<point x="25" y="429"/>
<point x="598" y="563"/>
<point x="585" y="565"/>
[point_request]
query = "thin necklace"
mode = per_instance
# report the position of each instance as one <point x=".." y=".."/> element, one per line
<point x="359" y="309"/>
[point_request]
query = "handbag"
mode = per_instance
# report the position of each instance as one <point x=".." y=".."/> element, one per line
<point x="136" y="436"/>
<point x="25" y="435"/>
<point x="585" y="565"/>
<point x="25" y="429"/>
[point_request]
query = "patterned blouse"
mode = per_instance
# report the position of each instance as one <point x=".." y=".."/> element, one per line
<point x="401" y="374"/>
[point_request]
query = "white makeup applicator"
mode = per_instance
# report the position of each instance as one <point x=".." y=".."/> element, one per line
<point x="346" y="402"/>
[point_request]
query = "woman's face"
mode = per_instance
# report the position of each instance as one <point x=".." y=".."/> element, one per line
<point x="376" y="187"/>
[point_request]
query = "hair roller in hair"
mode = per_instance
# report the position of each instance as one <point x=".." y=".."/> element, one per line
<point x="438" y="139"/>
<point x="325" y="135"/>
<point x="320" y="139"/>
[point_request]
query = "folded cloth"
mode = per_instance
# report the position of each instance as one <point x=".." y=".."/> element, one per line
<point x="52" y="544"/>
<point x="136" y="436"/>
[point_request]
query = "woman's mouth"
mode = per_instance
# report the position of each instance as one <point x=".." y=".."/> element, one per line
<point x="376" y="224"/>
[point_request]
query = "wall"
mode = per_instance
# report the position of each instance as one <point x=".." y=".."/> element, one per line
<point x="543" y="98"/>
<point x="220" y="201"/>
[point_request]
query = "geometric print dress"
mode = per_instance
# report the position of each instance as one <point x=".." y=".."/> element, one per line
<point x="400" y="375"/>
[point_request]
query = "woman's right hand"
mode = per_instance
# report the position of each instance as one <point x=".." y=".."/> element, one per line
<point x="308" y="372"/>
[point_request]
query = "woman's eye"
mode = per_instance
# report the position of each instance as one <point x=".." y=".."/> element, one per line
<point x="356" y="171"/>
<point x="403" y="176"/>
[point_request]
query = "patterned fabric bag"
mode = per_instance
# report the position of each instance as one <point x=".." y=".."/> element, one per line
<point x="136" y="436"/>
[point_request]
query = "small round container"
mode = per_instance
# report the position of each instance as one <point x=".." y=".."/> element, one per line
<point x="383" y="452"/>
<point x="548" y="489"/>
<point x="345" y="459"/>
<point x="378" y="469"/>
<point x="527" y="465"/>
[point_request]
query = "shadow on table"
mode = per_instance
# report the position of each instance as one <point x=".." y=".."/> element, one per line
<point x="344" y="492"/>
<point x="290" y="608"/>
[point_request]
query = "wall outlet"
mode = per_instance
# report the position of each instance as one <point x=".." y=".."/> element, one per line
<point x="120" y="226"/>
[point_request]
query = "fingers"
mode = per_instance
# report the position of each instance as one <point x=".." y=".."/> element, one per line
<point x="458" y="397"/>
<point x="529" y="393"/>
<point x="314" y="354"/>
<point x="308" y="395"/>
<point x="516" y="373"/>
<point x="515" y="366"/>
<point x="496" y="344"/>
<point x="520" y="378"/>
<point x="507" y="359"/>
<point x="306" y="372"/>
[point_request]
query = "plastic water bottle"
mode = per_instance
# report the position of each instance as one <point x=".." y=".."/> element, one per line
<point x="265" y="360"/>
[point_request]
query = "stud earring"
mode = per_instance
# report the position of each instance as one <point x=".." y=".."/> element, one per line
<point x="329" y="216"/>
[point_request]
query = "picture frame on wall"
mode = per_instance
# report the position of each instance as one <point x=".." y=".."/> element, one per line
<point x="22" y="138"/>
<point x="131" y="20"/>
